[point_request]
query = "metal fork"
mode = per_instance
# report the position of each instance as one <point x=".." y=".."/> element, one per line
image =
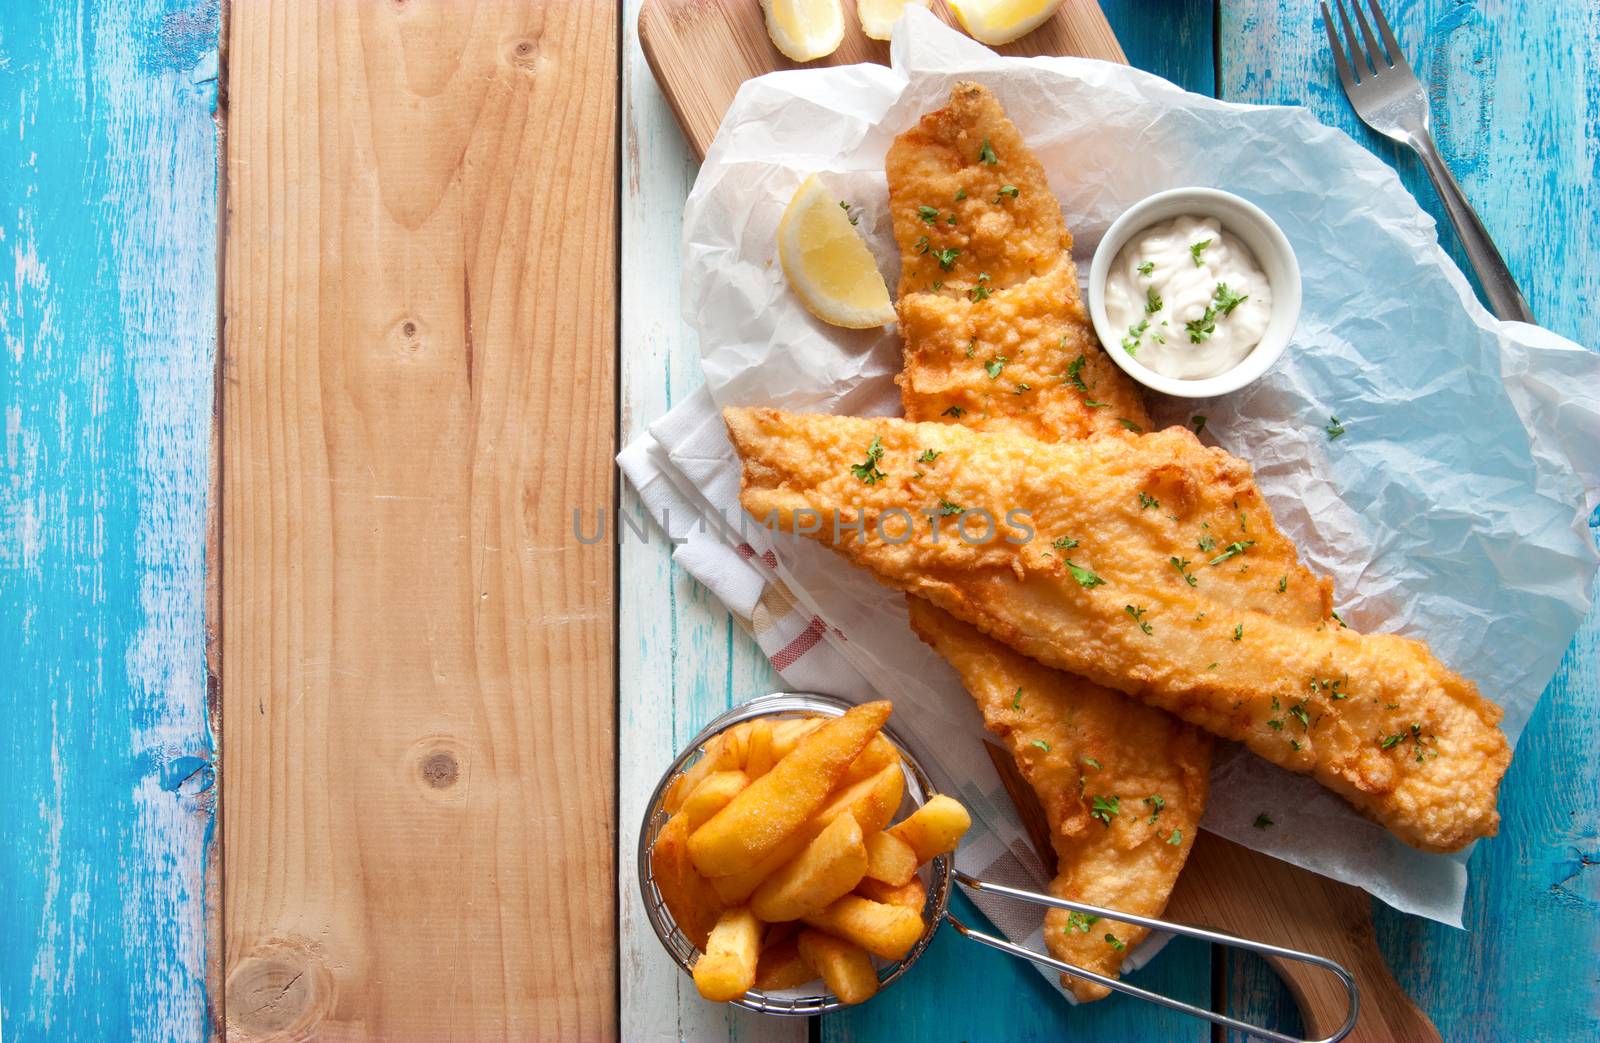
<point x="1388" y="97"/>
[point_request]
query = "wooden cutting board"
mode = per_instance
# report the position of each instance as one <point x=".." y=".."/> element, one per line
<point x="700" y="52"/>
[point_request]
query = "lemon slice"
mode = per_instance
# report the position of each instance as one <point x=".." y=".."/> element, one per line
<point x="805" y="30"/>
<point x="878" y="16"/>
<point x="827" y="262"/>
<point x="995" y="22"/>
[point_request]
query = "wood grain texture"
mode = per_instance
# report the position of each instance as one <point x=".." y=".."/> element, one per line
<point x="418" y="393"/>
<point x="108" y="227"/>
<point x="700" y="52"/>
<point x="1517" y="115"/>
<point x="1234" y="889"/>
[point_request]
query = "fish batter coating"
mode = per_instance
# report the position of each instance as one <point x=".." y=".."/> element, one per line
<point x="1375" y="718"/>
<point x="1000" y="340"/>
<point x="1021" y="356"/>
<point x="1123" y="786"/>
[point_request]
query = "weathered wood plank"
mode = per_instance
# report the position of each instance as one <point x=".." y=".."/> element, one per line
<point x="1517" y="116"/>
<point x="681" y="658"/>
<point x="108" y="320"/>
<point x="418" y="392"/>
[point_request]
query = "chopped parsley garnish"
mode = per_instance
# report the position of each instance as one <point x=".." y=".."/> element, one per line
<point x="1198" y="423"/>
<point x="980" y="291"/>
<point x="1283" y="584"/>
<point x="1130" y="343"/>
<point x="1334" y="428"/>
<point x="1338" y="618"/>
<point x="1024" y="387"/>
<point x="1232" y="550"/>
<point x="1226" y="299"/>
<point x="1105" y="809"/>
<point x="1063" y="543"/>
<point x="961" y="194"/>
<point x="994" y="367"/>
<point x="938" y="284"/>
<point x="950" y="220"/>
<point x="946" y="257"/>
<point x="1042" y="745"/>
<point x="1196" y="249"/>
<point x="1137" y="614"/>
<point x="972" y="346"/>
<point x="846" y="208"/>
<point x="1176" y="838"/>
<point x="1016" y="700"/>
<point x="1146" y="501"/>
<point x="955" y="411"/>
<point x="1085" y="578"/>
<point x="1392" y="741"/>
<point x="1263" y="821"/>
<point x="1182" y="565"/>
<point x="1156" y="803"/>
<point x="1152" y="301"/>
<point x="1238" y="632"/>
<point x="1130" y="425"/>
<point x="928" y="456"/>
<point x="1298" y="712"/>
<point x="1091" y="762"/>
<point x="1006" y="190"/>
<point x="1115" y="942"/>
<point x="1147" y="267"/>
<point x="948" y="509"/>
<point x="1081" y="921"/>
<point x="1203" y="327"/>
<point x="922" y="244"/>
<point x="868" y="471"/>
<point x="986" y="154"/>
<point x="1207" y="544"/>
<point x="1334" y="689"/>
<point x="928" y="214"/>
<point x="1075" y="375"/>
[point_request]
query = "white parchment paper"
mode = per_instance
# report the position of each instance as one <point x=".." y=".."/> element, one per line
<point x="1455" y="508"/>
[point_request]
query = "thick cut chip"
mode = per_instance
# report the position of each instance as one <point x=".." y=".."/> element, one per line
<point x="935" y="828"/>
<point x="829" y="867"/>
<point x="772" y="807"/>
<point x="845" y="968"/>
<point x="883" y="930"/>
<point x="690" y="899"/>
<point x="727" y="969"/>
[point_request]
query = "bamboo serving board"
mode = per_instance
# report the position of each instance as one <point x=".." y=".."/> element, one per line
<point x="700" y="52"/>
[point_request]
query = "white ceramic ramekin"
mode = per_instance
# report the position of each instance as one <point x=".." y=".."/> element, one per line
<point x="1242" y="219"/>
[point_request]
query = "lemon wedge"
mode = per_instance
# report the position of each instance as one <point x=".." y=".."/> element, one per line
<point x="878" y="16"/>
<point x="805" y="30"/>
<point x="827" y="262"/>
<point x="995" y="22"/>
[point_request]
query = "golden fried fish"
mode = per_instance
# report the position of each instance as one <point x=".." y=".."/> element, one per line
<point x="1123" y="786"/>
<point x="996" y="333"/>
<point x="1016" y="353"/>
<point x="1375" y="718"/>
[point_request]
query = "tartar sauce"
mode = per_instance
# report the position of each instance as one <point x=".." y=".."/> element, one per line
<point x="1189" y="297"/>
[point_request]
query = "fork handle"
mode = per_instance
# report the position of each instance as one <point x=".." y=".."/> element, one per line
<point x="1504" y="299"/>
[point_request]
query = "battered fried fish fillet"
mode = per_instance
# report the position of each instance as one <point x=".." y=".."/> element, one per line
<point x="1021" y="356"/>
<point x="1123" y="786"/>
<point x="996" y="333"/>
<point x="1376" y="718"/>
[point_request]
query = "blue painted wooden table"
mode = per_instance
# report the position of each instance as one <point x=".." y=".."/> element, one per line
<point x="108" y="324"/>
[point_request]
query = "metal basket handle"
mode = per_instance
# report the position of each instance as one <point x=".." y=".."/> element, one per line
<point x="1214" y="937"/>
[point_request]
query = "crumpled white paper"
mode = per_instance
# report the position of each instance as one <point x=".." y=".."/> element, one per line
<point x="1454" y="509"/>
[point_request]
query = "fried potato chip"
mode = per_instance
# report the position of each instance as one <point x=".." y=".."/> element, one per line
<point x="770" y="809"/>
<point x="845" y="968"/>
<point x="828" y="868"/>
<point x="934" y="828"/>
<point x="727" y="968"/>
